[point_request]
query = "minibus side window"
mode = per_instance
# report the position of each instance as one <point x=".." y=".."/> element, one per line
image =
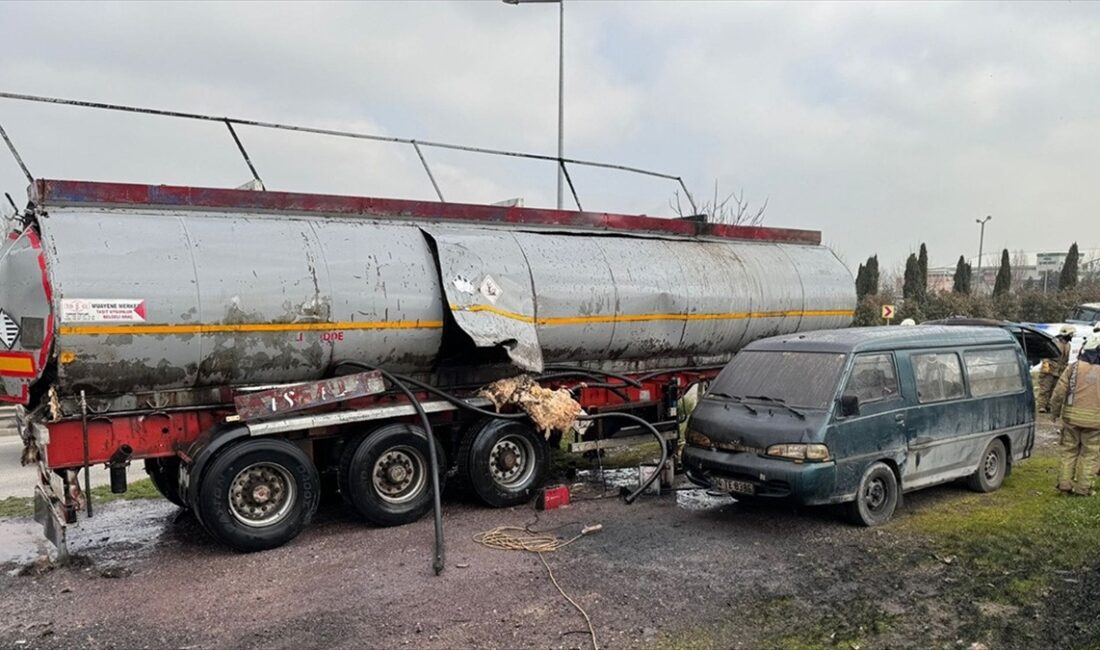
<point x="993" y="372"/>
<point x="939" y="376"/>
<point x="873" y="378"/>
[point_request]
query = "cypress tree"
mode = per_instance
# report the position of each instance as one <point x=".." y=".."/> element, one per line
<point x="909" y="286"/>
<point x="922" y="264"/>
<point x="872" y="275"/>
<point x="1004" y="276"/>
<point x="1068" y="278"/>
<point x="962" y="277"/>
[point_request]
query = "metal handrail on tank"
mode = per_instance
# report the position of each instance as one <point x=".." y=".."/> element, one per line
<point x="416" y="144"/>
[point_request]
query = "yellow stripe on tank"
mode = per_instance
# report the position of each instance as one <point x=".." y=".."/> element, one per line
<point x="641" y="318"/>
<point x="246" y="328"/>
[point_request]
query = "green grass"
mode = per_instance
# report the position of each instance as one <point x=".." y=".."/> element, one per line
<point x="16" y="507"/>
<point x="1025" y="523"/>
<point x="1013" y="548"/>
<point x="24" y="506"/>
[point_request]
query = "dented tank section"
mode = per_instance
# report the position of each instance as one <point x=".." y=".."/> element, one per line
<point x="145" y="298"/>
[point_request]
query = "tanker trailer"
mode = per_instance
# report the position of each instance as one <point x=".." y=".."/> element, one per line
<point x="136" y="317"/>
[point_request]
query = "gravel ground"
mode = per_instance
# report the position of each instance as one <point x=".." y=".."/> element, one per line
<point x="659" y="571"/>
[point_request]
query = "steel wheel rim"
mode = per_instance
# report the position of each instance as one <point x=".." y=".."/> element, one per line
<point x="875" y="495"/>
<point x="992" y="465"/>
<point x="399" y="474"/>
<point x="262" y="494"/>
<point x="512" y="461"/>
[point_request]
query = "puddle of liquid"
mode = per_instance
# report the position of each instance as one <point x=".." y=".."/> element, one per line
<point x="21" y="541"/>
<point x="119" y="532"/>
<point x="687" y="495"/>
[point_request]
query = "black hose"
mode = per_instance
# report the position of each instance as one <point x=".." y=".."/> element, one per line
<point x="623" y="378"/>
<point x="669" y="371"/>
<point x="520" y="416"/>
<point x="459" y="402"/>
<point x="614" y="388"/>
<point x="629" y="498"/>
<point x="433" y="460"/>
<point x="401" y="380"/>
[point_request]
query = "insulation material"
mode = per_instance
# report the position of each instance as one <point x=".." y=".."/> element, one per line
<point x="550" y="410"/>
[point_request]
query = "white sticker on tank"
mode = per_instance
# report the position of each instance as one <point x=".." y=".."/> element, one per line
<point x="490" y="289"/>
<point x="102" y="310"/>
<point x="463" y="285"/>
<point x="9" y="330"/>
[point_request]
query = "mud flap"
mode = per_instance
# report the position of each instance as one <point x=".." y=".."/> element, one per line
<point x="487" y="283"/>
<point x="52" y="520"/>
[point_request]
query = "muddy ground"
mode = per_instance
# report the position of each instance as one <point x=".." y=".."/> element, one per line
<point x="683" y="570"/>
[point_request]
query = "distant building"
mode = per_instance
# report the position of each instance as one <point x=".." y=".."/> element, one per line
<point x="1025" y="272"/>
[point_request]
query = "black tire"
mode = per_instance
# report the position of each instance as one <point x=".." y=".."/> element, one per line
<point x="258" y="494"/>
<point x="992" y="468"/>
<point x="504" y="462"/>
<point x="385" y="475"/>
<point x="877" y="497"/>
<point x="165" y="475"/>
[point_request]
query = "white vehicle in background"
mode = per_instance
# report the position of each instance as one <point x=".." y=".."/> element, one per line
<point x="1086" y="314"/>
<point x="1084" y="329"/>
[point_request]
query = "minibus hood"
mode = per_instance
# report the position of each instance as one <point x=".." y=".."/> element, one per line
<point x="728" y="421"/>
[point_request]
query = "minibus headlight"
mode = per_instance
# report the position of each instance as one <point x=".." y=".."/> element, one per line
<point x="697" y="439"/>
<point x="815" y="453"/>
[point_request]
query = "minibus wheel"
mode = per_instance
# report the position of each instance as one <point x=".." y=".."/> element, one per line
<point x="877" y="496"/>
<point x="991" y="468"/>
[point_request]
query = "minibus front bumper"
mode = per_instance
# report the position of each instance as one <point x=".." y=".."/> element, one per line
<point x="747" y="473"/>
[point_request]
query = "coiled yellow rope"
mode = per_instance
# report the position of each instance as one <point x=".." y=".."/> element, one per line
<point x="514" y="538"/>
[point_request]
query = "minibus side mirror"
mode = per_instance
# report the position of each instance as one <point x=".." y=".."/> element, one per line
<point x="849" y="405"/>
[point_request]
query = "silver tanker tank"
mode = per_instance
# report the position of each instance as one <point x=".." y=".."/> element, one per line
<point x="131" y="290"/>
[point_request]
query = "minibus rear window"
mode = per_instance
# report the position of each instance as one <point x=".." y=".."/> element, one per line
<point x="993" y="371"/>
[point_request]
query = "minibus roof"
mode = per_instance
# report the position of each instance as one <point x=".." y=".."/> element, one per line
<point x="870" y="339"/>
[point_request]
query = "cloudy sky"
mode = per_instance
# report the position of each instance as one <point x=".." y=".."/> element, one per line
<point x="882" y="125"/>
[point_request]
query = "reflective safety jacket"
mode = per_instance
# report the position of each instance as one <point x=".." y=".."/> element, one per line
<point x="1077" y="396"/>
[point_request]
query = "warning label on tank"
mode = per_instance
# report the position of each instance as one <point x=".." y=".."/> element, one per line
<point x="490" y="289"/>
<point x="106" y="310"/>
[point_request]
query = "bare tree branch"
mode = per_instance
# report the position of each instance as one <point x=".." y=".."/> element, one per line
<point x="733" y="210"/>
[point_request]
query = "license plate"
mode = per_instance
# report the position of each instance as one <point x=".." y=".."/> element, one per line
<point x="730" y="485"/>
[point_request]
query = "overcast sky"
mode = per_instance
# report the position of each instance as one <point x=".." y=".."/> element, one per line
<point x="882" y="125"/>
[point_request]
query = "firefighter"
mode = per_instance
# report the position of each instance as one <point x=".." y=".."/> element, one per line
<point x="1076" y="400"/>
<point x="1053" y="368"/>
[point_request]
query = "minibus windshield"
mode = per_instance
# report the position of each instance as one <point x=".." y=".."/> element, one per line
<point x="806" y="379"/>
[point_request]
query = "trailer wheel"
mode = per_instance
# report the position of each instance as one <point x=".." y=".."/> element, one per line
<point x="503" y="461"/>
<point x="258" y="494"/>
<point x="165" y="475"/>
<point x="386" y="475"/>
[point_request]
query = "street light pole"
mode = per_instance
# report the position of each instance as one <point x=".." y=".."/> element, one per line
<point x="561" y="88"/>
<point x="981" y="244"/>
<point x="561" y="96"/>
